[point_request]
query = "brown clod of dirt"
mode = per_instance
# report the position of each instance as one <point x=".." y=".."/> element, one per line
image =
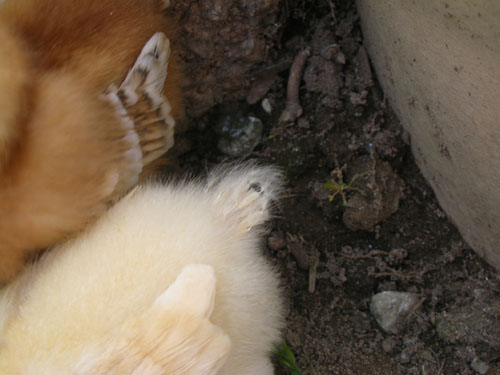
<point x="475" y="324"/>
<point x="381" y="191"/>
<point x="220" y="41"/>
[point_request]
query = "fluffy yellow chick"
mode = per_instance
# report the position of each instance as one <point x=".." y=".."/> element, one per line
<point x="56" y="316"/>
<point x="82" y="112"/>
<point x="173" y="336"/>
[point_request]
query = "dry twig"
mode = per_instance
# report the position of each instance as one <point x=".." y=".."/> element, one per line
<point x="414" y="310"/>
<point x="332" y="10"/>
<point x="293" y="110"/>
<point x="313" y="273"/>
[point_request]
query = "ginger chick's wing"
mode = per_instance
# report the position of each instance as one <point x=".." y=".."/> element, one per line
<point x="140" y="101"/>
<point x="174" y="337"/>
<point x="79" y="153"/>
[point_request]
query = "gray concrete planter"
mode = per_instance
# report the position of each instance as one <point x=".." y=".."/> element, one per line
<point x="439" y="64"/>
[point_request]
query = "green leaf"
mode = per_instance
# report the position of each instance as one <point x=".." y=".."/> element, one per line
<point x="330" y="185"/>
<point x="287" y="359"/>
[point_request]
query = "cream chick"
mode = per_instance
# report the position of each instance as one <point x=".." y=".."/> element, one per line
<point x="82" y="295"/>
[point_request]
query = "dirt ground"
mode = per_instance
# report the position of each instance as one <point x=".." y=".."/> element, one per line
<point x="390" y="236"/>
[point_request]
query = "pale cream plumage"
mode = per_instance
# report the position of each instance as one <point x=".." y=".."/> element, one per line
<point x="56" y="316"/>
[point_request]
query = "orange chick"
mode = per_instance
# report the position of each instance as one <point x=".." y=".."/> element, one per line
<point x="83" y="110"/>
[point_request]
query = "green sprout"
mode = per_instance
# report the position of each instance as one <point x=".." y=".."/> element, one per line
<point x="339" y="187"/>
<point x="287" y="359"/>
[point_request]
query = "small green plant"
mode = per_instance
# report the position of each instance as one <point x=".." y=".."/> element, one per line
<point x="338" y="187"/>
<point x="287" y="359"/>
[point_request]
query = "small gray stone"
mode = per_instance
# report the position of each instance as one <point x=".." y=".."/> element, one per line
<point x="239" y="134"/>
<point x="427" y="355"/>
<point x="266" y="106"/>
<point x="479" y="366"/>
<point x="328" y="52"/>
<point x="404" y="358"/>
<point x="276" y="242"/>
<point x="340" y="58"/>
<point x="389" y="308"/>
<point x="388" y="344"/>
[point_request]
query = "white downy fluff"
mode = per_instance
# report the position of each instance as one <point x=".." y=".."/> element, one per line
<point x="54" y="318"/>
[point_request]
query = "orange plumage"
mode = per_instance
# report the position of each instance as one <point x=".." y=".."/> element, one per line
<point x="71" y="138"/>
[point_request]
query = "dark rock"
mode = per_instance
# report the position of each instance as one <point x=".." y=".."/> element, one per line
<point x="479" y="366"/>
<point x="239" y="134"/>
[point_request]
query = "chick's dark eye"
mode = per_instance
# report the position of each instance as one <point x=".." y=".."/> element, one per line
<point x="155" y="52"/>
<point x="256" y="187"/>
